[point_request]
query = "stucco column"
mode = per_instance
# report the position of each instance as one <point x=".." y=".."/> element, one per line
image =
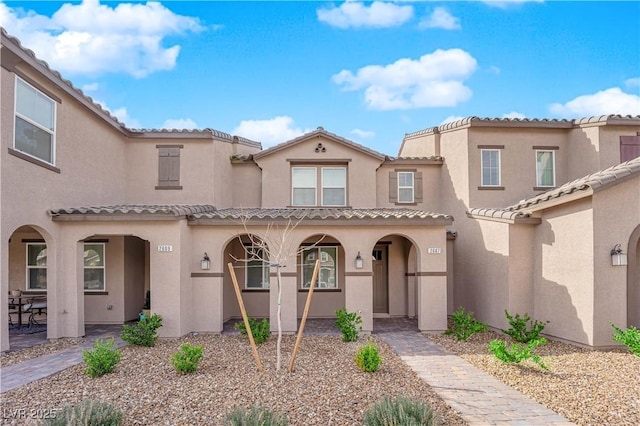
<point x="359" y="297"/>
<point x="65" y="287"/>
<point x="4" y="290"/>
<point x="432" y="302"/>
<point x="288" y="301"/>
<point x="207" y="302"/>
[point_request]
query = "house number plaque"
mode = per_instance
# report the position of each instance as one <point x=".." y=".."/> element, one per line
<point x="165" y="247"/>
<point x="434" y="250"/>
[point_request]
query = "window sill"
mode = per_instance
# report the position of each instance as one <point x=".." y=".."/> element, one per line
<point x="491" y="188"/>
<point x="319" y="207"/>
<point x="34" y="292"/>
<point x="322" y="290"/>
<point x="255" y="290"/>
<point x="96" y="293"/>
<point x="543" y="188"/>
<point x="406" y="204"/>
<point x="33" y="160"/>
<point x="169" y="187"/>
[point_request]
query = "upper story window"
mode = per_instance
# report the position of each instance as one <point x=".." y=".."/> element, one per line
<point x="545" y="168"/>
<point x="94" y="267"/>
<point x="490" y="167"/>
<point x="36" y="266"/>
<point x="319" y="186"/>
<point x="256" y="268"/>
<point x="169" y="166"/>
<point x="34" y="122"/>
<point x="405" y="187"/>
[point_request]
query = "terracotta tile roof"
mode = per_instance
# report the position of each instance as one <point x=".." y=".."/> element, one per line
<point x="591" y="183"/>
<point x="437" y="158"/>
<point x="129" y="209"/>
<point x="320" y="213"/>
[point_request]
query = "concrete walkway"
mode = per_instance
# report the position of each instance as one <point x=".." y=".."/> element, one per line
<point x="480" y="398"/>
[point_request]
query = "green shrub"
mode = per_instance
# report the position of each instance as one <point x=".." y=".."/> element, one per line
<point x="629" y="337"/>
<point x="87" y="413"/>
<point x="102" y="359"/>
<point x="400" y="411"/>
<point x="186" y="360"/>
<point x="257" y="416"/>
<point x="142" y="333"/>
<point x="517" y="352"/>
<point x="349" y="324"/>
<point x="464" y="325"/>
<point x="523" y="329"/>
<point x="259" y="329"/>
<point x="368" y="358"/>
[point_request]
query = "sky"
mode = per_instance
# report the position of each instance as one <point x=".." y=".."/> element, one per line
<point x="367" y="71"/>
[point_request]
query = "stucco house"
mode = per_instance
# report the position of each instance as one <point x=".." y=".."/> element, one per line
<point x="474" y="213"/>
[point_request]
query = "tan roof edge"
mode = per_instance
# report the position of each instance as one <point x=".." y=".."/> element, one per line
<point x="513" y="220"/>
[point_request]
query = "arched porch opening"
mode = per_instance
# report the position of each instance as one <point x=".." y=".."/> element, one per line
<point x="633" y="279"/>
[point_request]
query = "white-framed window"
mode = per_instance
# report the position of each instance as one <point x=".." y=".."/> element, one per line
<point x="334" y="186"/>
<point x="328" y="273"/>
<point x="256" y="268"/>
<point x="490" y="167"/>
<point x="35" y="117"/>
<point x="545" y="168"/>
<point x="94" y="267"/>
<point x="405" y="187"/>
<point x="36" y="266"/>
<point x="331" y="182"/>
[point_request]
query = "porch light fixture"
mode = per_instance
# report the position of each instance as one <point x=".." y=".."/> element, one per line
<point x="205" y="263"/>
<point x="618" y="258"/>
<point x="358" y="261"/>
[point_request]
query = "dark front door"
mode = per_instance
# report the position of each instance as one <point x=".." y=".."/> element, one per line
<point x="380" y="281"/>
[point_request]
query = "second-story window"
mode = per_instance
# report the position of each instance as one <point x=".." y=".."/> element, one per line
<point x="319" y="186"/>
<point x="545" y="168"/>
<point x="169" y="166"/>
<point x="34" y="123"/>
<point x="490" y="167"/>
<point x="405" y="187"/>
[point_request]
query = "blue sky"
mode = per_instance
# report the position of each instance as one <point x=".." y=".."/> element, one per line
<point x="370" y="72"/>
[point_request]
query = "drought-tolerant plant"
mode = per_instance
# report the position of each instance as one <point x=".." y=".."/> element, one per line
<point x="465" y="325"/>
<point x="143" y="332"/>
<point x="518" y="352"/>
<point x="102" y="359"/>
<point x="368" y="358"/>
<point x="186" y="360"/>
<point x="400" y="411"/>
<point x="259" y="329"/>
<point x="256" y="416"/>
<point x="349" y="324"/>
<point x="629" y="337"/>
<point x="88" y="412"/>
<point x="523" y="329"/>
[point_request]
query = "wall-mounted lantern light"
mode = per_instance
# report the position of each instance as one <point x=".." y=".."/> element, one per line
<point x="358" y="261"/>
<point x="618" y="258"/>
<point x="205" y="263"/>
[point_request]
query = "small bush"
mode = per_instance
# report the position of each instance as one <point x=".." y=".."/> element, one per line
<point x="629" y="337"/>
<point x="349" y="324"/>
<point x="102" y="359"/>
<point x="257" y="416"/>
<point x="142" y="333"/>
<point x="517" y="352"/>
<point x="92" y="413"/>
<point x="186" y="360"/>
<point x="464" y="325"/>
<point x="523" y="329"/>
<point x="400" y="411"/>
<point x="259" y="329"/>
<point x="368" y="358"/>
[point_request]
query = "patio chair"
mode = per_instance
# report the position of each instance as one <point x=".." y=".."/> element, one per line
<point x="37" y="308"/>
<point x="13" y="310"/>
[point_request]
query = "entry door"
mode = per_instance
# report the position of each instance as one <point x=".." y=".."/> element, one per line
<point x="380" y="281"/>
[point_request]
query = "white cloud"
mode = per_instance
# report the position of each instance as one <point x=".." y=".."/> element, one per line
<point x="270" y="132"/>
<point x="632" y="82"/>
<point x="91" y="87"/>
<point x="90" y="38"/>
<point x="180" y="123"/>
<point x="609" y="101"/>
<point x="363" y="134"/>
<point x="451" y="119"/>
<point x="433" y="80"/>
<point x="356" y="14"/>
<point x="514" y="114"/>
<point x="504" y="4"/>
<point x="495" y="70"/>
<point x="440" y="18"/>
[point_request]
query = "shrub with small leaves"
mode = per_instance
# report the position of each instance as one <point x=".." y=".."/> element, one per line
<point x="102" y="359"/>
<point x="465" y="325"/>
<point x="349" y="324"/>
<point x="143" y="332"/>
<point x="523" y="328"/>
<point x="368" y="358"/>
<point x="400" y="411"/>
<point x="256" y="416"/>
<point x="259" y="329"/>
<point x="186" y="360"/>
<point x="629" y="337"/>
<point x="88" y="412"/>
<point x="517" y="352"/>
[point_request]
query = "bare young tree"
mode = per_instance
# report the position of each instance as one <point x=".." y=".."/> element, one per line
<point x="274" y="248"/>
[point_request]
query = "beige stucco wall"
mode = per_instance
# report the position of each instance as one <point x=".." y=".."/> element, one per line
<point x="421" y="145"/>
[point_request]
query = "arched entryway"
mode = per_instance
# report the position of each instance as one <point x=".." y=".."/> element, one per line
<point x="633" y="279"/>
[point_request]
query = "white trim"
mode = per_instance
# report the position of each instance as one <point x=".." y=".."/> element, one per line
<point x="264" y="267"/>
<point x="29" y="267"/>
<point x="412" y="187"/>
<point x="102" y="267"/>
<point x="482" y="182"/>
<point x="323" y="186"/>
<point x="319" y="249"/>
<point x="553" y="162"/>
<point x="315" y="187"/>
